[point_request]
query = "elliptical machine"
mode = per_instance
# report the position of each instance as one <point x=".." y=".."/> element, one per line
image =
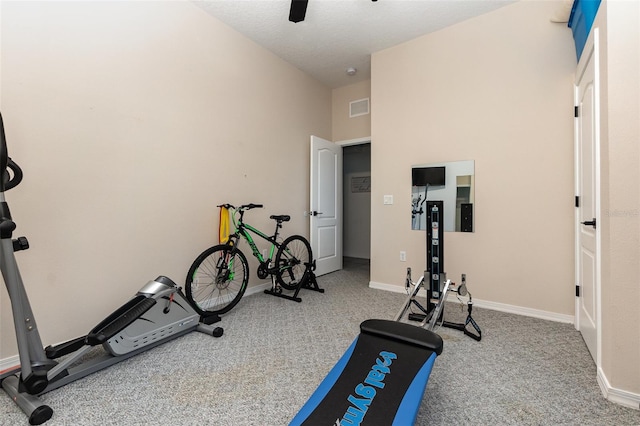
<point x="158" y="313"/>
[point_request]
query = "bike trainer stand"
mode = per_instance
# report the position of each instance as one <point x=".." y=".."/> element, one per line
<point x="309" y="284"/>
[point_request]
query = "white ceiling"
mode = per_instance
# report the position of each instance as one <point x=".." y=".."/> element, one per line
<point x="338" y="34"/>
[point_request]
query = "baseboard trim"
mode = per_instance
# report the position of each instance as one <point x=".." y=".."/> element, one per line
<point x="258" y="288"/>
<point x="618" y="396"/>
<point x="10" y="363"/>
<point x="520" y="310"/>
<point x="486" y="304"/>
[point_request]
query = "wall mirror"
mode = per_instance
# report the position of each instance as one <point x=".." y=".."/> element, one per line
<point x="453" y="184"/>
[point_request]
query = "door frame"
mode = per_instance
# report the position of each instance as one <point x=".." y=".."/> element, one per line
<point x="358" y="141"/>
<point x="591" y="49"/>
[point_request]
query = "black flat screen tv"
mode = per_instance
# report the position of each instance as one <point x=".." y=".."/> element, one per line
<point x="432" y="176"/>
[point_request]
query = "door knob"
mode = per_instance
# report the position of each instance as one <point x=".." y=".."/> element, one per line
<point x="590" y="223"/>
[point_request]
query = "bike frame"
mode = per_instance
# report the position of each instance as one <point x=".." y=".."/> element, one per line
<point x="243" y="230"/>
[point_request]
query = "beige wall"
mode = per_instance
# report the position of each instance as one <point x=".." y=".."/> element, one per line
<point x="619" y="23"/>
<point x="496" y="89"/>
<point x="344" y="127"/>
<point x="132" y="121"/>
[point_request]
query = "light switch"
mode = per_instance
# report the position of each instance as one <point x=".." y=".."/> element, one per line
<point x="388" y="199"/>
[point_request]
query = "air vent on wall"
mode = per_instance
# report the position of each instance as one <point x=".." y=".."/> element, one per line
<point x="359" y="107"/>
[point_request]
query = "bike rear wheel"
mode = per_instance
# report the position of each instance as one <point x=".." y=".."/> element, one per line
<point x="293" y="262"/>
<point x="217" y="280"/>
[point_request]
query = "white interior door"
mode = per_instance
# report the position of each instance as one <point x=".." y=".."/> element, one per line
<point x="326" y="205"/>
<point x="588" y="202"/>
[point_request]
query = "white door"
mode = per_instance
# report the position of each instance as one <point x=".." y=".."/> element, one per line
<point x="326" y="205"/>
<point x="588" y="201"/>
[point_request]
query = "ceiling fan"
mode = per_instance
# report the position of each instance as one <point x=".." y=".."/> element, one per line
<point x="299" y="9"/>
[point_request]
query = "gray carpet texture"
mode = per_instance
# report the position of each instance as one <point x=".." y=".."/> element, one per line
<point x="275" y="352"/>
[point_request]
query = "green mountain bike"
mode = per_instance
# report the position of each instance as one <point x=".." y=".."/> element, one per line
<point x="219" y="276"/>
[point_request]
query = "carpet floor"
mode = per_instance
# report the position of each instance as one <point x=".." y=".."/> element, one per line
<point x="274" y="353"/>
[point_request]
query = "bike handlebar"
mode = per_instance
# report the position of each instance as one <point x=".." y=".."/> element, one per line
<point x="242" y="207"/>
<point x="251" y="206"/>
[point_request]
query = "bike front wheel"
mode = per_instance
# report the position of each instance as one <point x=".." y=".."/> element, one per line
<point x="217" y="280"/>
<point x="293" y="262"/>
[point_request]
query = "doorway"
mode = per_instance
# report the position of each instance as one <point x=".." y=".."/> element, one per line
<point x="356" y="202"/>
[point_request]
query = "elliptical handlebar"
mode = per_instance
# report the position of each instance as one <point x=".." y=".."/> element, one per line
<point x="3" y="147"/>
<point x="7" y="180"/>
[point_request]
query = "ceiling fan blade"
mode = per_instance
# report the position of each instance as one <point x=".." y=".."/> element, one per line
<point x="298" y="10"/>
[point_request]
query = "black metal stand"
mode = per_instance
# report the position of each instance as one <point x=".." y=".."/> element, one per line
<point x="210" y="319"/>
<point x="310" y="284"/>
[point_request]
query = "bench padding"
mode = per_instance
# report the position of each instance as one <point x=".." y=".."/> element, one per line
<point x="380" y="380"/>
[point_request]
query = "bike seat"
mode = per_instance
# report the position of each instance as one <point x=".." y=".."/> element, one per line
<point x="281" y="218"/>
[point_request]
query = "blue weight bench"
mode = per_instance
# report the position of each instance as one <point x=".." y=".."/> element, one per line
<point x="379" y="381"/>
